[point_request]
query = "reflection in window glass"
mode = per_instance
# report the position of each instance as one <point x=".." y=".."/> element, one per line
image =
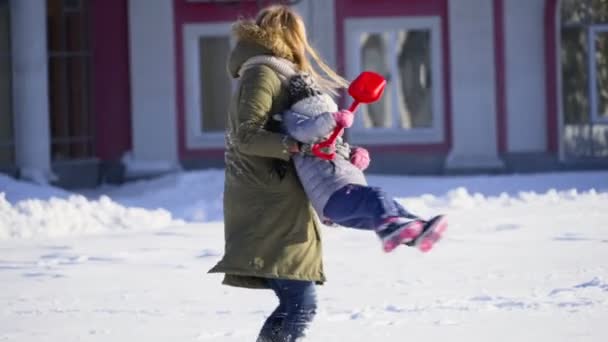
<point x="576" y="11"/>
<point x="584" y="12"/>
<point x="374" y="58"/>
<point x="404" y="58"/>
<point x="601" y="72"/>
<point x="585" y="134"/>
<point x="414" y="62"/>
<point x="574" y="75"/>
<point x="214" y="81"/>
<point x="6" y="111"/>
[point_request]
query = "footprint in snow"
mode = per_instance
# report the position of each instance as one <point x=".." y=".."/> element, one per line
<point x="40" y="275"/>
<point x="206" y="253"/>
<point x="57" y="248"/>
<point x="507" y="226"/>
<point x="570" y="237"/>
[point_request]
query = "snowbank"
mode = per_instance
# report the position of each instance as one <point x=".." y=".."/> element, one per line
<point x="28" y="210"/>
<point x="31" y="211"/>
<point x="195" y="196"/>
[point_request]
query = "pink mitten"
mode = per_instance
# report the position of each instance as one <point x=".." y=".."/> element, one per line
<point x="360" y="158"/>
<point x="344" y="118"/>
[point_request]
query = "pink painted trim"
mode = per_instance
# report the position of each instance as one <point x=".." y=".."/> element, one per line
<point x="551" y="58"/>
<point x="360" y="9"/>
<point x="501" y="81"/>
<point x="193" y="12"/>
<point x="111" y="90"/>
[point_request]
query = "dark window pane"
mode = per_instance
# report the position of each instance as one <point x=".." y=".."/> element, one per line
<point x="69" y="107"/>
<point x="582" y="136"/>
<point x="69" y="80"/>
<point x="576" y="11"/>
<point x="214" y="82"/>
<point x="5" y="42"/>
<point x="72" y="5"/>
<point x="6" y="110"/>
<point x="575" y="86"/>
<point x="414" y="61"/>
<point x="601" y="73"/>
<point x="374" y="57"/>
<point x="584" y="12"/>
<point x="599" y="12"/>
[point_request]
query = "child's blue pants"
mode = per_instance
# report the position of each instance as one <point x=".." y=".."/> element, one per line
<point x="362" y="207"/>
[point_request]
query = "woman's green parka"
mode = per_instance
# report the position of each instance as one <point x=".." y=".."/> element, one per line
<point x="271" y="230"/>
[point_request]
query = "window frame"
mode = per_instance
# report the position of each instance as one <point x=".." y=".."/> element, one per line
<point x="354" y="28"/>
<point x="196" y="138"/>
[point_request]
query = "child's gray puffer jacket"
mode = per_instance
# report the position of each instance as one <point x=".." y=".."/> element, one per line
<point x="310" y="120"/>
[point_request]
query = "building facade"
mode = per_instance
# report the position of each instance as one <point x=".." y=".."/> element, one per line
<point x="106" y="90"/>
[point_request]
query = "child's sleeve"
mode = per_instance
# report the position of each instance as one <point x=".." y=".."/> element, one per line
<point x="307" y="129"/>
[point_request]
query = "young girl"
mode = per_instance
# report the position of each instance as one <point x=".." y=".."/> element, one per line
<point x="338" y="189"/>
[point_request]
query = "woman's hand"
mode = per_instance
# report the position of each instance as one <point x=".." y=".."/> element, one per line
<point x="291" y="145"/>
<point x="360" y="158"/>
<point x="294" y="149"/>
<point x="344" y="118"/>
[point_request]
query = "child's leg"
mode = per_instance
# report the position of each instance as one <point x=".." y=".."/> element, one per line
<point x="402" y="212"/>
<point x="364" y="207"/>
<point x="361" y="207"/>
<point x="296" y="310"/>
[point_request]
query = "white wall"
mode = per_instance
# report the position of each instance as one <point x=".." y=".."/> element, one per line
<point x="153" y="86"/>
<point x="525" y="75"/>
<point x="473" y="85"/>
<point x="320" y="16"/>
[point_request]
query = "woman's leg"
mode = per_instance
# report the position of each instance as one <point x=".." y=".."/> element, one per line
<point x="361" y="207"/>
<point x="273" y="325"/>
<point x="296" y="310"/>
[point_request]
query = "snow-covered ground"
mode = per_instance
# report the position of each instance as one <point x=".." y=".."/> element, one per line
<point x="525" y="259"/>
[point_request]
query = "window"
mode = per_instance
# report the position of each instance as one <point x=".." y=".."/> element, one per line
<point x="208" y="87"/>
<point x="407" y="51"/>
<point x="69" y="79"/>
<point x="584" y="67"/>
<point x="7" y="156"/>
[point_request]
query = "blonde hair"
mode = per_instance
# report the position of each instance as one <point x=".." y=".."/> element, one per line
<point x="289" y="25"/>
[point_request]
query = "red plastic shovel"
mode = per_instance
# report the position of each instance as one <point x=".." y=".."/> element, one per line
<point x="366" y="88"/>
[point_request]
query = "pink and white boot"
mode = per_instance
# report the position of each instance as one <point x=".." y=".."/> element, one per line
<point x="431" y="233"/>
<point x="414" y="233"/>
<point x="398" y="230"/>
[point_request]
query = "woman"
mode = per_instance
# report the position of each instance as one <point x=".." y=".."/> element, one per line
<point x="272" y="234"/>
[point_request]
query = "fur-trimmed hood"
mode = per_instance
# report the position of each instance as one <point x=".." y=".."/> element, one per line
<point x="254" y="41"/>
